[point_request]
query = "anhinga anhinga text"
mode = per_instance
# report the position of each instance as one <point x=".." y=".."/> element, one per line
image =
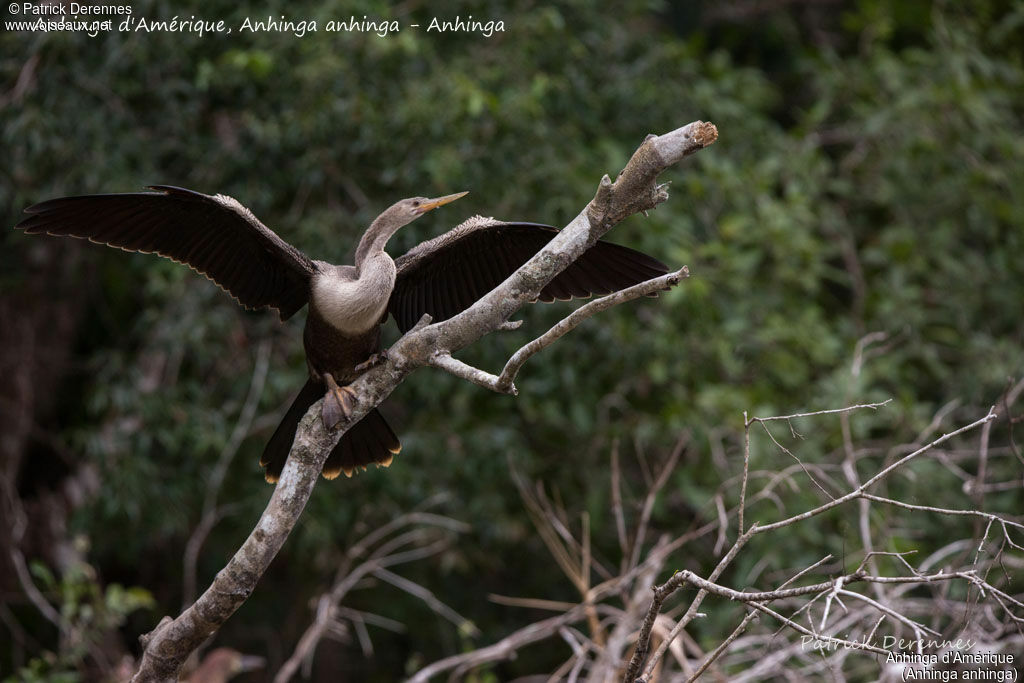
<point x="220" y="238"/>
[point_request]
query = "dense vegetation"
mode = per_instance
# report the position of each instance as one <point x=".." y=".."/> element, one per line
<point x="869" y="177"/>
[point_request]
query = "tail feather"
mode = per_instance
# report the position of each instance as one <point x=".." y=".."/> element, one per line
<point x="370" y="441"/>
<point x="276" y="451"/>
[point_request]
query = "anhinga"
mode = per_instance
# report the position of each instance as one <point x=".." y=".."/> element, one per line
<point x="218" y="237"/>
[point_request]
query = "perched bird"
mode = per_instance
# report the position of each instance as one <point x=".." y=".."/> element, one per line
<point x="218" y="237"/>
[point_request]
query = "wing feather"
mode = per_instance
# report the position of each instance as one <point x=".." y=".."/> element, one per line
<point x="214" y="235"/>
<point x="446" y="275"/>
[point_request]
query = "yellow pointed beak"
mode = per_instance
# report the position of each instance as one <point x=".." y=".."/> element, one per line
<point x="432" y="204"/>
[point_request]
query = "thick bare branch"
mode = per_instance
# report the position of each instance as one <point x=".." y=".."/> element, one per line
<point x="167" y="647"/>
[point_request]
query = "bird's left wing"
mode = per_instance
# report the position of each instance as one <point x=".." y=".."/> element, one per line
<point x="448" y="274"/>
<point x="214" y="235"/>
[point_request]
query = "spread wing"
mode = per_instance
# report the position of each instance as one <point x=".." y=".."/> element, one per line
<point x="214" y="235"/>
<point x="448" y="274"/>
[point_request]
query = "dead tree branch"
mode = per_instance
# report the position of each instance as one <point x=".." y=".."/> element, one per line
<point x="375" y="552"/>
<point x="707" y="586"/>
<point x="808" y="628"/>
<point x="504" y="382"/>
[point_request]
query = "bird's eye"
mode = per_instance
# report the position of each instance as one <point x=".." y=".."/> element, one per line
<point x="416" y="203"/>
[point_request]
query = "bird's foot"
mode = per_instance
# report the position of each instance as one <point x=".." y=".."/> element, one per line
<point x="338" y="403"/>
<point x="373" y="361"/>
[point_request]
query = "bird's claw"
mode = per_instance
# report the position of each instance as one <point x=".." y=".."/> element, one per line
<point x="338" y="404"/>
<point x="373" y="361"/>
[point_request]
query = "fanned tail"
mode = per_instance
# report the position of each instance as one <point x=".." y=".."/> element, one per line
<point x="368" y="442"/>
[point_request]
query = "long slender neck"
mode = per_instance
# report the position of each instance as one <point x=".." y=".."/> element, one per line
<point x="376" y="238"/>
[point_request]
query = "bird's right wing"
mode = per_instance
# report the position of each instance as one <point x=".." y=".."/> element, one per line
<point x="448" y="274"/>
<point x="214" y="235"/>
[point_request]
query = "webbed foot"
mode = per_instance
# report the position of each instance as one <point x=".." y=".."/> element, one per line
<point x="338" y="402"/>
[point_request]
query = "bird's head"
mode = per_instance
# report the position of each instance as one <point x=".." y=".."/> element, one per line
<point x="407" y="210"/>
<point x="399" y="214"/>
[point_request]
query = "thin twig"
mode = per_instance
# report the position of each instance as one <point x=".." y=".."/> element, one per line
<point x="833" y="411"/>
<point x="211" y="514"/>
<point x="570" y="322"/>
<point x="652" y="494"/>
<point x="620" y="518"/>
<point x="876" y="478"/>
<point x="638" y="656"/>
<point x="723" y="646"/>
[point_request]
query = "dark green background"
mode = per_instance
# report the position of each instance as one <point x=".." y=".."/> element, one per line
<point x="869" y="177"/>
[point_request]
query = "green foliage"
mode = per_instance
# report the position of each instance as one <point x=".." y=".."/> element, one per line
<point x="89" y="612"/>
<point x="44" y="669"/>
<point x="868" y="178"/>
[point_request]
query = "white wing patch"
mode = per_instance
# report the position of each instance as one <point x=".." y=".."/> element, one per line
<point x="237" y="207"/>
<point x="475" y="222"/>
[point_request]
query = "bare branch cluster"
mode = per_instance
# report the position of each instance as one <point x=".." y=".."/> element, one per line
<point x="860" y="623"/>
<point x="410" y="537"/>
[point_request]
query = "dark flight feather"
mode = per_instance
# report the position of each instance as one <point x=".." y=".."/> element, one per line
<point x="214" y="235"/>
<point x="448" y="274"/>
